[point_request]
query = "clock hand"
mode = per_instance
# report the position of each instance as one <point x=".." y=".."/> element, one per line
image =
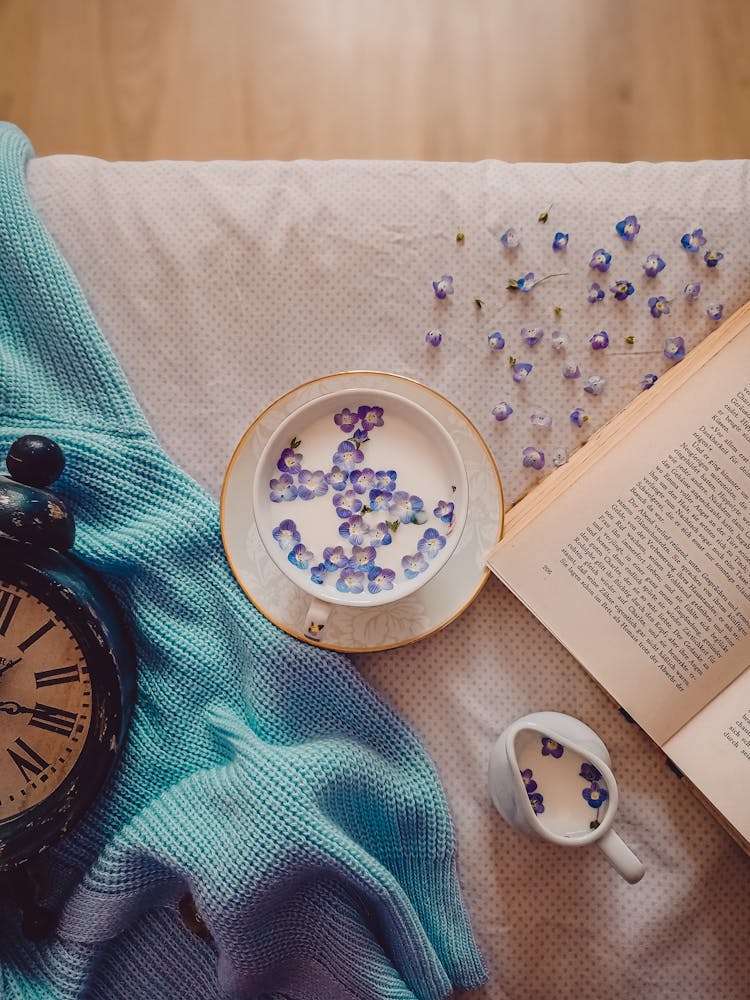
<point x="13" y="708"/>
<point x="11" y="663"/>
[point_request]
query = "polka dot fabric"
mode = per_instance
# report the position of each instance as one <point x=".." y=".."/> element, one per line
<point x="220" y="286"/>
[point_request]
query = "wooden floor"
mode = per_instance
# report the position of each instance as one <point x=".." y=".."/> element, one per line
<point x="406" y="79"/>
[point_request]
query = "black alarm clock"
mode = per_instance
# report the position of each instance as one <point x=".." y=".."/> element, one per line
<point x="67" y="670"/>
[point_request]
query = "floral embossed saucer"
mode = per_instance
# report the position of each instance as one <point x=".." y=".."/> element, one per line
<point x="345" y="449"/>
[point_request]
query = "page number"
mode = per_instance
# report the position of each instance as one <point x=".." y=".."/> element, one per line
<point x="547" y="570"/>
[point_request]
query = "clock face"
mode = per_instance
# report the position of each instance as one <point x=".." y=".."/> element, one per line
<point x="45" y="701"/>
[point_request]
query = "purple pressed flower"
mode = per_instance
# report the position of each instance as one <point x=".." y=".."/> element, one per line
<point x="658" y="305"/>
<point x="715" y="310"/>
<point x="589" y="772"/>
<point x="444" y="511"/>
<point x="336" y="478"/>
<point x="533" y="458"/>
<point x="355" y="529"/>
<point x="594" y="385"/>
<point x="628" y="228"/>
<point x="510" y="239"/>
<point x="346" y="503"/>
<point x="385" y="479"/>
<point x="290" y="461"/>
<point x="405" y="507"/>
<point x="443" y="287"/>
<point x="550" y="748"/>
<point x="380" y="579"/>
<point x="600" y="260"/>
<point x="431" y="543"/>
<point x="351" y="581"/>
<point x="380" y="499"/>
<point x="596" y="293"/>
<point x="370" y="416"/>
<point x="300" y="556"/>
<point x="413" y="565"/>
<point x="346" y="420"/>
<point x="526" y="283"/>
<point x="571" y="370"/>
<point x="558" y="340"/>
<point x="559" y="457"/>
<point x="537" y="802"/>
<point x="532" y="335"/>
<point x="380" y="534"/>
<point x="282" y="488"/>
<point x="692" y="242"/>
<point x="521" y="371"/>
<point x="596" y="795"/>
<point x="621" y="290"/>
<point x="599" y="341"/>
<point x="496" y="341"/>
<point x="674" y="348"/>
<point x="362" y="557"/>
<point x="692" y="290"/>
<point x="347" y="456"/>
<point x="653" y="264"/>
<point x="648" y="380"/>
<point x="434" y="338"/>
<point x="359" y="436"/>
<point x="362" y="480"/>
<point x="501" y="411"/>
<point x="540" y="418"/>
<point x="311" y="484"/>
<point x="286" y="535"/>
<point x="560" y="242"/>
<point x="528" y="779"/>
<point x="334" y="557"/>
<point x="578" y="417"/>
<point x="712" y="257"/>
<point x="318" y="573"/>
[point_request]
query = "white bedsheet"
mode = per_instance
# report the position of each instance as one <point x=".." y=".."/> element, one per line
<point x="222" y="285"/>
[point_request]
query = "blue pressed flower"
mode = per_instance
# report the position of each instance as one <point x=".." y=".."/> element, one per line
<point x="501" y="411"/>
<point x="282" y="488"/>
<point x="571" y="370"/>
<point x="351" y="581"/>
<point x="551" y="748"/>
<point x="526" y="283"/>
<point x="532" y="335"/>
<point x="334" y="557"/>
<point x="589" y="772"/>
<point x="404" y="507"/>
<point x="286" y="535"/>
<point x="596" y="795"/>
<point x="300" y="556"/>
<point x="380" y="499"/>
<point x="362" y="480"/>
<point x="692" y="242"/>
<point x="434" y="338"/>
<point x="318" y="573"/>
<point x="444" y="511"/>
<point x="348" y="455"/>
<point x="336" y="478"/>
<point x="510" y="239"/>
<point x="533" y="458"/>
<point x="537" y="802"/>
<point x="559" y="457"/>
<point x="596" y="293"/>
<point x="290" y="461"/>
<point x="540" y="418"/>
<point x="311" y="484"/>
<point x="599" y="341"/>
<point x="443" y="287"/>
<point x="370" y="416"/>
<point x="712" y="257"/>
<point x="355" y="529"/>
<point x="380" y="579"/>
<point x="346" y="503"/>
<point x="431" y="543"/>
<point x="413" y="565"/>
<point x="628" y="228"/>
<point x="560" y="242"/>
<point x="715" y="310"/>
<point x="674" y="348"/>
<point x="362" y="557"/>
<point x="600" y="260"/>
<point x="658" y="305"/>
<point x="380" y="534"/>
<point x="346" y="420"/>
<point x="359" y="436"/>
<point x="653" y="264"/>
<point x="496" y="341"/>
<point x="621" y="290"/>
<point x="558" y="340"/>
<point x="578" y="417"/>
<point x="528" y="779"/>
<point x="692" y="290"/>
<point x="648" y="380"/>
<point x="385" y="479"/>
<point x="594" y="385"/>
<point x="521" y="371"/>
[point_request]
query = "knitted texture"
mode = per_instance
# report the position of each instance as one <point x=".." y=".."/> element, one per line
<point x="260" y="774"/>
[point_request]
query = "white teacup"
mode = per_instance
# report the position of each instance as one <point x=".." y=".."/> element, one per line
<point x="550" y="777"/>
<point x="360" y="497"/>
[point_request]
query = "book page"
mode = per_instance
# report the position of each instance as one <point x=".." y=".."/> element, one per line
<point x="641" y="567"/>
<point x="714" y="751"/>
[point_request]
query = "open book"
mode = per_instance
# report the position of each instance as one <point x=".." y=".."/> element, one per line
<point x="636" y="556"/>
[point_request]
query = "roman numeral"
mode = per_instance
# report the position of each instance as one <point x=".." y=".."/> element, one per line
<point x="55" y="720"/>
<point x="58" y="675"/>
<point x="8" y="605"/>
<point x="29" y="765"/>
<point x="35" y="636"/>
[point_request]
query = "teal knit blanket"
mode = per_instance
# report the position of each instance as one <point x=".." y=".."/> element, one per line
<point x="261" y="775"/>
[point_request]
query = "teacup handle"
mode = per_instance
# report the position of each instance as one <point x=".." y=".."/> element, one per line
<point x="621" y="857"/>
<point x="317" y="616"/>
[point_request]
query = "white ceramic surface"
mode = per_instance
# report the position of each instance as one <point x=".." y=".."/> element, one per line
<point x="350" y="629"/>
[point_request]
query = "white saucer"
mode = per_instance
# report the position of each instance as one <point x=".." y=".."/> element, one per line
<point x="355" y="630"/>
